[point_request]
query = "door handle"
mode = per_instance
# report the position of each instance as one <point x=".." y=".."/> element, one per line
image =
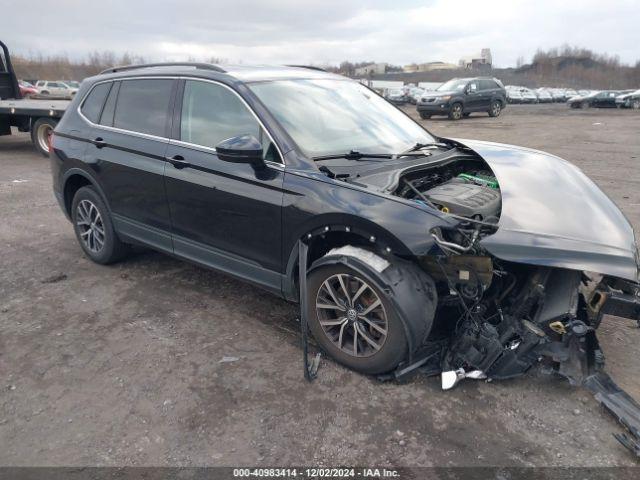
<point x="178" y="161"/>
<point x="99" y="142"/>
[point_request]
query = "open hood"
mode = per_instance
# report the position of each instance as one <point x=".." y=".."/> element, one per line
<point x="554" y="215"/>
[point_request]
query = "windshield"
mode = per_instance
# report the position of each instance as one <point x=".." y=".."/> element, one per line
<point x="452" y="86"/>
<point x="328" y="117"/>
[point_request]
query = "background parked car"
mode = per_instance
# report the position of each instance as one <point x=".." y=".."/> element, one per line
<point x="415" y="94"/>
<point x="598" y="99"/>
<point x="461" y="96"/>
<point x="528" y="95"/>
<point x="629" y="100"/>
<point x="72" y="83"/>
<point x="26" y="89"/>
<point x="559" y="95"/>
<point x="56" y="89"/>
<point x="544" y="96"/>
<point x="396" y="95"/>
<point x="513" y="94"/>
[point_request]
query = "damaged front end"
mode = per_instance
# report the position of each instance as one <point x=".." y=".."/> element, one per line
<point x="516" y="290"/>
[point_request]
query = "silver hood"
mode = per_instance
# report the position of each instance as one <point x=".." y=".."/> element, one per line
<point x="554" y="215"/>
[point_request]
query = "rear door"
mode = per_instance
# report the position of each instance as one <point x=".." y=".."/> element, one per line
<point x="224" y="215"/>
<point x="127" y="152"/>
<point x="487" y="90"/>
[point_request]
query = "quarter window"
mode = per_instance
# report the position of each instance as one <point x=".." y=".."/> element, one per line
<point x="110" y="106"/>
<point x="211" y="113"/>
<point x="143" y="106"/>
<point x="92" y="106"/>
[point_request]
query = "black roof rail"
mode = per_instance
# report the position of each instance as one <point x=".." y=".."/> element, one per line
<point x="310" y="67"/>
<point x="202" y="66"/>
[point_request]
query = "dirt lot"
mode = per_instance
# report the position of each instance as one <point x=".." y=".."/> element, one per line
<point x="122" y="365"/>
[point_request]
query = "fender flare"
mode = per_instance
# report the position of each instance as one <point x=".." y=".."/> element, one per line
<point x="89" y="177"/>
<point x="411" y="291"/>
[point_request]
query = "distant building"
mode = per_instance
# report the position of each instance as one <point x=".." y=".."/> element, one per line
<point x="371" y="69"/>
<point x="428" y="67"/>
<point x="478" y="62"/>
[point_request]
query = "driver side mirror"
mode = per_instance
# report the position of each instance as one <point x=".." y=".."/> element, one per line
<point x="241" y="149"/>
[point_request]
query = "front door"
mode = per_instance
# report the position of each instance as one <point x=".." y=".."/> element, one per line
<point x="474" y="96"/>
<point x="224" y="215"/>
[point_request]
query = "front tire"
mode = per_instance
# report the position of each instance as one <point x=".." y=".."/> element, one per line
<point x="354" y="321"/>
<point x="635" y="105"/>
<point x="455" y="113"/>
<point x="425" y="116"/>
<point x="41" y="131"/>
<point x="94" y="228"/>
<point x="584" y="105"/>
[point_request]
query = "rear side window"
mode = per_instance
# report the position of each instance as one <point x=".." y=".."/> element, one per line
<point x="487" y="85"/>
<point x="143" y="106"/>
<point x="211" y="113"/>
<point x="92" y="105"/>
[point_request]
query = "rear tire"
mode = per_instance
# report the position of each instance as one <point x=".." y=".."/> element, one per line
<point x="495" y="108"/>
<point x="41" y="130"/>
<point x="94" y="228"/>
<point x="455" y="112"/>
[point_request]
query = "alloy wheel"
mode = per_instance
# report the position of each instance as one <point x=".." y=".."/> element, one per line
<point x="457" y="111"/>
<point x="636" y="105"/>
<point x="352" y="315"/>
<point x="90" y="226"/>
<point x="495" y="109"/>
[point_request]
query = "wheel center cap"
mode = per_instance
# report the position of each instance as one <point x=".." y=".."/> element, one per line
<point x="352" y="314"/>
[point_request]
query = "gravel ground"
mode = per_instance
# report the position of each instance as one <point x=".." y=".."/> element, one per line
<point x="125" y="365"/>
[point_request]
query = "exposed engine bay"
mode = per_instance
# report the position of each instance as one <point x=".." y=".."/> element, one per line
<point x="455" y="189"/>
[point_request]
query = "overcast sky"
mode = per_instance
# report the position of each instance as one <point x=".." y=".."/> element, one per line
<point x="320" y="31"/>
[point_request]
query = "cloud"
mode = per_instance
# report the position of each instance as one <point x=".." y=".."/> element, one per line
<point x="322" y="31"/>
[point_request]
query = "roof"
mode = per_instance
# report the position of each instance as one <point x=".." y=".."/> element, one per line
<point x="243" y="73"/>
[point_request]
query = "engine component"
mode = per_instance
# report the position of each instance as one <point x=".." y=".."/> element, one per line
<point x="479" y="179"/>
<point x="460" y="269"/>
<point x="462" y="197"/>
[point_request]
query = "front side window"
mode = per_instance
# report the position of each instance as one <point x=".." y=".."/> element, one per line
<point x="92" y="106"/>
<point x="212" y="113"/>
<point x="143" y="106"/>
<point x="328" y="117"/>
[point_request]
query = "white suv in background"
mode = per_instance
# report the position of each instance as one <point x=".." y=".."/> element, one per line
<point x="55" y="89"/>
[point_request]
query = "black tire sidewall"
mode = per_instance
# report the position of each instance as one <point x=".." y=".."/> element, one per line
<point x="395" y="347"/>
<point x="111" y="250"/>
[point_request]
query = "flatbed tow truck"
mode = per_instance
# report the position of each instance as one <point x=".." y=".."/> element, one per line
<point x="39" y="117"/>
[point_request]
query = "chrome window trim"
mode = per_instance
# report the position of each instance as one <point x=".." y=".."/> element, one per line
<point x="278" y="165"/>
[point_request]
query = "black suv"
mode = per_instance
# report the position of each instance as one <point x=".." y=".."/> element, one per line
<point x="460" y="97"/>
<point x="413" y="243"/>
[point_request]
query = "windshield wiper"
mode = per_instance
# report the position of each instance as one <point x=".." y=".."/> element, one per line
<point x="354" y="155"/>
